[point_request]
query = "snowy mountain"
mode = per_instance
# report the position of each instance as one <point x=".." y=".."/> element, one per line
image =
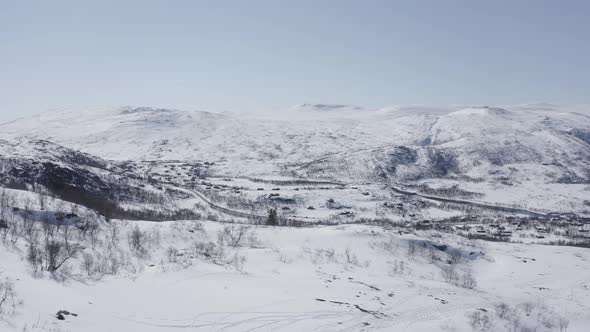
<point x="111" y="188"/>
<point x="496" y="148"/>
<point x="322" y="217"/>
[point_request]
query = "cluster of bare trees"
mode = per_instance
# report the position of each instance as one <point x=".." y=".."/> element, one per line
<point x="238" y="236"/>
<point x="525" y="317"/>
<point x="449" y="261"/>
<point x="55" y="239"/>
<point x="452" y="275"/>
<point x="224" y="251"/>
<point x="83" y="245"/>
<point x="50" y="239"/>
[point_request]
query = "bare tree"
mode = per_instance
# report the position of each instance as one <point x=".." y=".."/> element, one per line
<point x="8" y="299"/>
<point x="468" y="280"/>
<point x="502" y="310"/>
<point x="449" y="274"/>
<point x="28" y="224"/>
<point x="112" y="234"/>
<point x="34" y="253"/>
<point x="136" y="240"/>
<point x="432" y="256"/>
<point x="564" y="323"/>
<point x="411" y="250"/>
<point x="57" y="254"/>
<point x="480" y="321"/>
<point x="234" y="236"/>
<point x="92" y="229"/>
<point x="87" y="264"/>
<point x="42" y="202"/>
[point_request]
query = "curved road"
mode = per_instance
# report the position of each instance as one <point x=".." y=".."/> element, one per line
<point x="476" y="204"/>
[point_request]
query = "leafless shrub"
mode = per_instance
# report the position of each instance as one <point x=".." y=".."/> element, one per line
<point x="563" y="323"/>
<point x="238" y="261"/>
<point x="455" y="258"/>
<point x="323" y="256"/>
<point x="9" y="302"/>
<point x="448" y="326"/>
<point x="93" y="230"/>
<point x="411" y="250"/>
<point x="88" y="264"/>
<point x="112" y="234"/>
<point x="198" y="226"/>
<point x="350" y="257"/>
<point x="432" y="255"/>
<point x="528" y="307"/>
<point x="237" y="236"/>
<point x="283" y="258"/>
<point x="64" y="273"/>
<point x="34" y="253"/>
<point x="391" y="245"/>
<point x="502" y="310"/>
<point x="548" y="320"/>
<point x="449" y="274"/>
<point x="136" y="240"/>
<point x="209" y="251"/>
<point x="57" y="254"/>
<point x="515" y="322"/>
<point x="538" y="317"/>
<point x="398" y="267"/>
<point x="172" y="254"/>
<point x="42" y="202"/>
<point x="480" y="321"/>
<point x="468" y="280"/>
<point x="109" y="261"/>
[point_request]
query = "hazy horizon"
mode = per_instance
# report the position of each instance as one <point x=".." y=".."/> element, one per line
<point x="262" y="56"/>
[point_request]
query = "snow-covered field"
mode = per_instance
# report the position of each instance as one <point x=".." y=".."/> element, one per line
<point x="343" y="278"/>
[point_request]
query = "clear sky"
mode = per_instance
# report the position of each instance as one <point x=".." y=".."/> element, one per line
<point x="264" y="55"/>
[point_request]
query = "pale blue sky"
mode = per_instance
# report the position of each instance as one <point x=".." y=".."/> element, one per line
<point x="262" y="55"/>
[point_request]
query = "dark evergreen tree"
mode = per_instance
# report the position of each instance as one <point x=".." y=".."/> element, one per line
<point x="273" y="218"/>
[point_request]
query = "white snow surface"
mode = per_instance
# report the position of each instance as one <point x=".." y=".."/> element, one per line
<point x="526" y="146"/>
<point x="288" y="279"/>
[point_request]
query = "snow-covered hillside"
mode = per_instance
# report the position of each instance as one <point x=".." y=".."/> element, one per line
<point x="348" y="278"/>
<point x="477" y="137"/>
<point x="320" y="218"/>
<point x="512" y="147"/>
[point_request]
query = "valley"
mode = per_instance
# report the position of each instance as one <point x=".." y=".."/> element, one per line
<point x="346" y="221"/>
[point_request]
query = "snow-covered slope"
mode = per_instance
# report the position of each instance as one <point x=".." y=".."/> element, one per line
<point x="421" y="188"/>
<point x="111" y="188"/>
<point x="510" y="146"/>
<point x="348" y="278"/>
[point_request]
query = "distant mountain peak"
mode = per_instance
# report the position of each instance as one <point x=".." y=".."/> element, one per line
<point x="143" y="109"/>
<point x="311" y="107"/>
